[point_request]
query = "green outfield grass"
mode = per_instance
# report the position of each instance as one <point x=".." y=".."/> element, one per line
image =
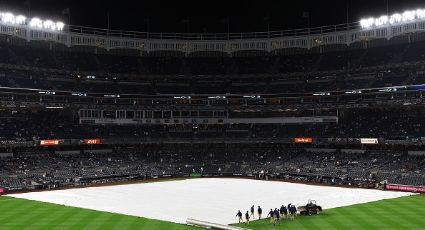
<point x="401" y="213"/>
<point x="33" y="215"/>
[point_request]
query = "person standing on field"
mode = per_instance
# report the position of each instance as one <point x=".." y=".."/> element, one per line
<point x="246" y="218"/>
<point x="239" y="215"/>
<point x="260" y="212"/>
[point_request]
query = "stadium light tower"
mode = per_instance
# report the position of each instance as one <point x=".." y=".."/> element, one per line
<point x="397" y="18"/>
<point x="9" y="18"/>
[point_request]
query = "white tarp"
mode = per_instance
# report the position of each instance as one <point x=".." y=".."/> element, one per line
<point x="213" y="200"/>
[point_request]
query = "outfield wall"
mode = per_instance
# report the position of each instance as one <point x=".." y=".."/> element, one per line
<point x="405" y="188"/>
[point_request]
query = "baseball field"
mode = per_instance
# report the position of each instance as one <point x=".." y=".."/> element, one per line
<point x="400" y="213"/>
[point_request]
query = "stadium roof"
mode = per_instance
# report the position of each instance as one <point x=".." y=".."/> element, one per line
<point x="207" y="16"/>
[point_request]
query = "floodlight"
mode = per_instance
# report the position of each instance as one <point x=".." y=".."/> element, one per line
<point x="367" y="23"/>
<point x="408" y="16"/>
<point x="420" y="14"/>
<point x="381" y="20"/>
<point x="60" y="26"/>
<point x="49" y="25"/>
<point x="20" y="19"/>
<point x="8" y="18"/>
<point x="395" y="18"/>
<point x="36" y="22"/>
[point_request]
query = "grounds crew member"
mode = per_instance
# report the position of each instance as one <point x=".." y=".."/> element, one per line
<point x="247" y="218"/>
<point x="260" y="212"/>
<point x="239" y="215"/>
<point x="271" y="214"/>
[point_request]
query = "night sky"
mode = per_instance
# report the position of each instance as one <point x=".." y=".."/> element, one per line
<point x="207" y="16"/>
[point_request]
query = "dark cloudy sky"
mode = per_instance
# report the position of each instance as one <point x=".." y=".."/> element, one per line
<point x="208" y="16"/>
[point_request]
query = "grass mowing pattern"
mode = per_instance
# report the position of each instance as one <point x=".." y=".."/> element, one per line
<point x="34" y="215"/>
<point x="400" y="213"/>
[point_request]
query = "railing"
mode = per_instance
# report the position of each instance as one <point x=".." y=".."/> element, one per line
<point x="343" y="34"/>
<point x="212" y="36"/>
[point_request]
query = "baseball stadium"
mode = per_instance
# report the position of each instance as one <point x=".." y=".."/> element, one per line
<point x="116" y="116"/>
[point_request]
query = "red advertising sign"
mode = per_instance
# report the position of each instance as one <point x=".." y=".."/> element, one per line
<point x="405" y="188"/>
<point x="303" y="140"/>
<point x="1" y="190"/>
<point x="49" y="142"/>
<point x="92" y="141"/>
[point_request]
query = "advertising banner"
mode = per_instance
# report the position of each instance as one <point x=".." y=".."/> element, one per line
<point x="369" y="141"/>
<point x="92" y="141"/>
<point x="405" y="188"/>
<point x="196" y="175"/>
<point x="49" y="142"/>
<point x="303" y="140"/>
